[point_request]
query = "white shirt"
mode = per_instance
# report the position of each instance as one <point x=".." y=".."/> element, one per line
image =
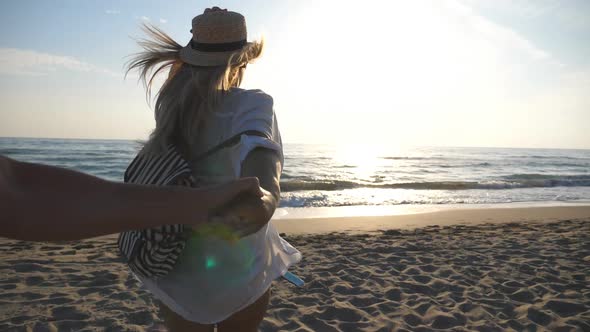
<point x="213" y="278"/>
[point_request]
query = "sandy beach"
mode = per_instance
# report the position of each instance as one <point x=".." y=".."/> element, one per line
<point x="460" y="270"/>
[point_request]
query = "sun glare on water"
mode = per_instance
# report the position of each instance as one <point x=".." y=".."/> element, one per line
<point x="360" y="160"/>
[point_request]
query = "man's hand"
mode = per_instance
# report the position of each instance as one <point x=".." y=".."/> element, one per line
<point x="220" y="195"/>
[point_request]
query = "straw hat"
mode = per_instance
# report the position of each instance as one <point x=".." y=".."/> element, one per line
<point x="217" y="34"/>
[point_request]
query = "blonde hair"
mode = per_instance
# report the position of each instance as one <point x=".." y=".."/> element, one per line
<point x="189" y="92"/>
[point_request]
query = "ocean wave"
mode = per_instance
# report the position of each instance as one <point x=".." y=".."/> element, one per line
<point x="23" y="151"/>
<point x="407" y="158"/>
<point x="558" y="164"/>
<point x="507" y="182"/>
<point x="483" y="164"/>
<point x="297" y="185"/>
<point x="57" y="152"/>
<point x="297" y="202"/>
<point x="550" y="157"/>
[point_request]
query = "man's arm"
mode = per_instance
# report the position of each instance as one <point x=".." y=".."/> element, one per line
<point x="44" y="203"/>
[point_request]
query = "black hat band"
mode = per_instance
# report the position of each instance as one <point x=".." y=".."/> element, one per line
<point x="217" y="47"/>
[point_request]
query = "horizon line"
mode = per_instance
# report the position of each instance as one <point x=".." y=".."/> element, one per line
<point x="300" y="143"/>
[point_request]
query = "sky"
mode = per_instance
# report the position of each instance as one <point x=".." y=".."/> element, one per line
<point x="493" y="73"/>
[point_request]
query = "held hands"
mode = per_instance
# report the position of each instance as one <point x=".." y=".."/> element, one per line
<point x="244" y="215"/>
<point x="238" y="208"/>
<point x="218" y="196"/>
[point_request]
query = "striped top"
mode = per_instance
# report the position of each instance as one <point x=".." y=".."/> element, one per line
<point x="150" y="170"/>
<point x="153" y="252"/>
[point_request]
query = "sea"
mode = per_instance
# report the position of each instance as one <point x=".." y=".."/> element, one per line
<point x="376" y="178"/>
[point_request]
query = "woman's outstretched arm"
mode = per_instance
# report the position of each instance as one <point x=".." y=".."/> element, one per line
<point x="255" y="212"/>
<point x="265" y="164"/>
<point x="45" y="203"/>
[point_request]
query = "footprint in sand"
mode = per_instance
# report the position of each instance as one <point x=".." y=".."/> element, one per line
<point x="523" y="295"/>
<point x="538" y="316"/>
<point x="445" y="321"/>
<point x="34" y="280"/>
<point x="68" y="313"/>
<point x="412" y="320"/>
<point x="30" y="267"/>
<point x="140" y="317"/>
<point x="8" y="287"/>
<point x="564" y="308"/>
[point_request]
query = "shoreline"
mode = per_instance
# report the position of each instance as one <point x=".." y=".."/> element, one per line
<point x="470" y="216"/>
<point x="283" y="213"/>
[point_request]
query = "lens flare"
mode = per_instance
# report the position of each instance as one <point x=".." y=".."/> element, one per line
<point x="223" y="258"/>
<point x="210" y="263"/>
<point x="216" y="230"/>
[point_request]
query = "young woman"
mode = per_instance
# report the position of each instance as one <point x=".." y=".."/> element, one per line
<point x="216" y="282"/>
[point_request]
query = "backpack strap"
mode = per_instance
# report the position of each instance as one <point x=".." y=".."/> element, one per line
<point x="229" y="142"/>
